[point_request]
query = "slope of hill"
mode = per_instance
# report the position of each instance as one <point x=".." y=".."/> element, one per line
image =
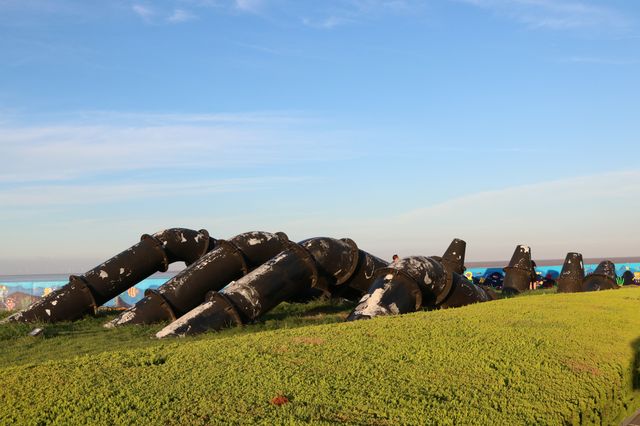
<point x="547" y="359"/>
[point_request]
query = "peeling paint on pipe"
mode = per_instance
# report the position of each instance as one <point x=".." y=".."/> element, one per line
<point x="418" y="282"/>
<point x="228" y="261"/>
<point x="402" y="287"/>
<point x="315" y="263"/>
<point x="83" y="294"/>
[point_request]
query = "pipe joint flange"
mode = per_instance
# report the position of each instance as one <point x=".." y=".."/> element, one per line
<point x="157" y="245"/>
<point x="207" y="239"/>
<point x="355" y="255"/>
<point x="228" y="307"/>
<point x="282" y="236"/>
<point x="307" y="258"/>
<point x="161" y="301"/>
<point x="448" y="286"/>
<point x="81" y="283"/>
<point x="227" y="245"/>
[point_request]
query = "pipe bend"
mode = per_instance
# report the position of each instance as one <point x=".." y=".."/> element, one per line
<point x="182" y="244"/>
<point x="336" y="259"/>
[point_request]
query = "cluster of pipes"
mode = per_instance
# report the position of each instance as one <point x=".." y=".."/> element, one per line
<point x="236" y="281"/>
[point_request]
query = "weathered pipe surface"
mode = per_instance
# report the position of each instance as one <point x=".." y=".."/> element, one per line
<point x="519" y="273"/>
<point x="314" y="263"/>
<point x="227" y="262"/>
<point x="358" y="285"/>
<point x="402" y="287"/>
<point x="572" y="274"/>
<point x="414" y="283"/>
<point x="603" y="278"/>
<point x="463" y="292"/>
<point x="104" y="282"/>
<point x="453" y="257"/>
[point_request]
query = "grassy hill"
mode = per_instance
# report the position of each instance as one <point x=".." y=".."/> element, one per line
<point x="544" y="359"/>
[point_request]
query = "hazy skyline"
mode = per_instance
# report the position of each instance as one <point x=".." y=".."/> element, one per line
<point x="400" y="124"/>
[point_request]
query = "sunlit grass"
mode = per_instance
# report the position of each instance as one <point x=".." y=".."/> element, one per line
<point x="545" y="359"/>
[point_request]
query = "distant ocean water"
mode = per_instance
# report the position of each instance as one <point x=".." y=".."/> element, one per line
<point x="19" y="291"/>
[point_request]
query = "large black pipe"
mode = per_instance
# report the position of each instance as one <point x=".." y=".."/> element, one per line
<point x="362" y="277"/>
<point x="84" y="293"/>
<point x="403" y="286"/>
<point x="603" y="278"/>
<point x="463" y="292"/>
<point x="315" y="263"/>
<point x="229" y="261"/>
<point x="520" y="273"/>
<point x="414" y="283"/>
<point x="572" y="274"/>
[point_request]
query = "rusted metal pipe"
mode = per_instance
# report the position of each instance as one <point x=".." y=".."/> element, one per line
<point x="227" y="262"/>
<point x="417" y="282"/>
<point x="358" y="285"/>
<point x="463" y="292"/>
<point x="603" y="278"/>
<point x="572" y="274"/>
<point x="520" y="273"/>
<point x="321" y="263"/>
<point x="84" y="293"/>
<point x="403" y="286"/>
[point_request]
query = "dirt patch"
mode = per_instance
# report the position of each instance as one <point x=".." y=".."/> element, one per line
<point x="279" y="400"/>
<point x="582" y="367"/>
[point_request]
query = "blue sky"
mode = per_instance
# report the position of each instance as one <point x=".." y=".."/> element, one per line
<point x="401" y="124"/>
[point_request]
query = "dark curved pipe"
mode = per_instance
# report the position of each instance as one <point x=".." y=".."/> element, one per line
<point x="463" y="292"/>
<point x="84" y="293"/>
<point x="402" y="287"/>
<point x="227" y="262"/>
<point x="572" y="274"/>
<point x="359" y="283"/>
<point x="315" y="263"/>
<point x="414" y="283"/>
<point x="603" y="278"/>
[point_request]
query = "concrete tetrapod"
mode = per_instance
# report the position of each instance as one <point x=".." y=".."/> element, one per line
<point x="323" y="263"/>
<point x="84" y="293"/>
<point x="227" y="262"/>
<point x="603" y="278"/>
<point x="572" y="274"/>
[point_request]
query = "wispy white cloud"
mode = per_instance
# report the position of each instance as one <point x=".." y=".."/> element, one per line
<point x="252" y="6"/>
<point x="58" y="194"/>
<point x="114" y="143"/>
<point x="556" y="14"/>
<point x="327" y="23"/>
<point x="146" y="13"/>
<point x="180" y="15"/>
<point x="344" y="12"/>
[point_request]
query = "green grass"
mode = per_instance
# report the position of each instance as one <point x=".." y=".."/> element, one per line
<point x="544" y="359"/>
